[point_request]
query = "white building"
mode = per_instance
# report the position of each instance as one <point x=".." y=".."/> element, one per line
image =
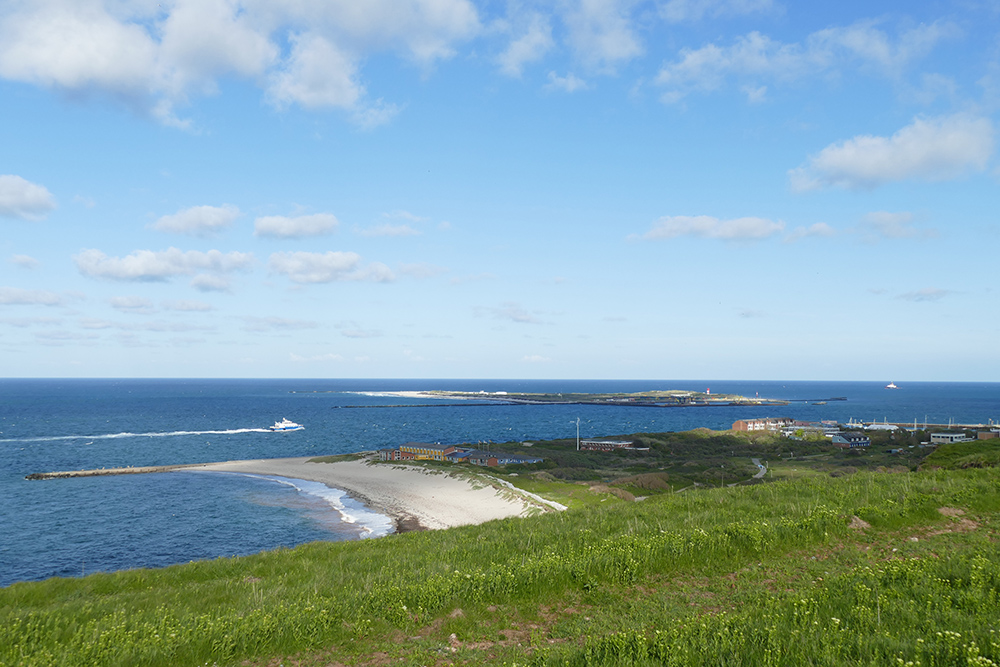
<point x="947" y="438"/>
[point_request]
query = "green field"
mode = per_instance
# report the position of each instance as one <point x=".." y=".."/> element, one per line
<point x="865" y="568"/>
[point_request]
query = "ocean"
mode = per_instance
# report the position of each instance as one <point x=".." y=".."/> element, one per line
<point x="72" y="527"/>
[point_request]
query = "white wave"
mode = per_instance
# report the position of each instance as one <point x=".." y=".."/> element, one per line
<point x="126" y="434"/>
<point x="371" y="523"/>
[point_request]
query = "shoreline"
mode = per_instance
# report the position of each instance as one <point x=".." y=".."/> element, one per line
<point x="414" y="498"/>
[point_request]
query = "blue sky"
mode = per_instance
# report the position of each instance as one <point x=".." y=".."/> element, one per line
<point x="717" y="189"/>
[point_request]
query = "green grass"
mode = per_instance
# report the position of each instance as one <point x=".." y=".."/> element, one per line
<point x="770" y="574"/>
<point x="570" y="494"/>
<point x="338" y="457"/>
<point x="788" y="470"/>
<point x="976" y="454"/>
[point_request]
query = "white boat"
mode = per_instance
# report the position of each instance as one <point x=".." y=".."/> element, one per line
<point x="891" y="385"/>
<point x="285" y="425"/>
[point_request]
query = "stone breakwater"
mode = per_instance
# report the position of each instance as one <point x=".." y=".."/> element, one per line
<point x="98" y="472"/>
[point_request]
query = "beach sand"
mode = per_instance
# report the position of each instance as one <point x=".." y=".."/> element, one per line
<point x="416" y="498"/>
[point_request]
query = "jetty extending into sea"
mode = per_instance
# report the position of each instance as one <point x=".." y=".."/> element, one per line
<point x="100" y="472"/>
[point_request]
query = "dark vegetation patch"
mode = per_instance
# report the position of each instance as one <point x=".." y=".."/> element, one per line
<point x="667" y="462"/>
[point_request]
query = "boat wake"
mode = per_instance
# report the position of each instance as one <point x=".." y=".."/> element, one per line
<point x="116" y="436"/>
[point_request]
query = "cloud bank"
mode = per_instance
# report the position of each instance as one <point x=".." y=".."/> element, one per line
<point x="155" y="57"/>
<point x="754" y="57"/>
<point x="15" y="296"/>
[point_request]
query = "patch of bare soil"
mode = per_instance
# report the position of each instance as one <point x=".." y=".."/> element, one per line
<point x="857" y="523"/>
<point x="959" y="523"/>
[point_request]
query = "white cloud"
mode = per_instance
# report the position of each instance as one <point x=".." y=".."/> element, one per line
<point x="426" y="30"/>
<point x="677" y="11"/>
<point x="205" y="282"/>
<point x="60" y="337"/>
<point x="25" y="261"/>
<point x="569" y="83"/>
<point x="95" y="324"/>
<point x="515" y="313"/>
<point x="755" y="56"/>
<point x="27" y="322"/>
<point x="405" y="215"/>
<point x="752" y="55"/>
<point x="894" y="225"/>
<point x="935" y="149"/>
<point x="755" y="94"/>
<point x="705" y="226"/>
<point x="15" y="296"/>
<point x="203" y="39"/>
<point x="815" y="230"/>
<point x="187" y="306"/>
<point x="132" y="304"/>
<point x="278" y="226"/>
<point x="276" y="324"/>
<point x="602" y="32"/>
<point x="148" y="265"/>
<point x="316" y="75"/>
<point x="155" y="57"/>
<point x="353" y="330"/>
<point x="198" y="220"/>
<point x="421" y="270"/>
<point x="331" y="266"/>
<point x="873" y="47"/>
<point x="373" y="114"/>
<point x="78" y="45"/>
<point x="530" y="47"/>
<point x="23" y="199"/>
<point x="925" y="295"/>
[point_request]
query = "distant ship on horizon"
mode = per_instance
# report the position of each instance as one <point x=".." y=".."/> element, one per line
<point x="891" y="385"/>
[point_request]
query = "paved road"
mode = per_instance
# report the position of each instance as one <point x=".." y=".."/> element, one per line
<point x="761" y="470"/>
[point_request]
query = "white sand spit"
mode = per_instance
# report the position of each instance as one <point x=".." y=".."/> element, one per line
<point x="435" y="500"/>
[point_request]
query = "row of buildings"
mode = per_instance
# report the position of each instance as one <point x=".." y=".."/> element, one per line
<point x="848" y="439"/>
<point x="610" y="446"/>
<point x="423" y="451"/>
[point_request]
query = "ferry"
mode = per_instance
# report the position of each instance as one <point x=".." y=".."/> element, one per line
<point x="891" y="385"/>
<point x="286" y="425"/>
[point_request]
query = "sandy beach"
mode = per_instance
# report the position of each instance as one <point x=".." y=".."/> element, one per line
<point x="416" y="498"/>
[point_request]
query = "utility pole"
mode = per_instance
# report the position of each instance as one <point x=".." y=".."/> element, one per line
<point x="577" y="433"/>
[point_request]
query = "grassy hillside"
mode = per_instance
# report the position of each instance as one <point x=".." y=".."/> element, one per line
<point x="976" y="454"/>
<point x="867" y="569"/>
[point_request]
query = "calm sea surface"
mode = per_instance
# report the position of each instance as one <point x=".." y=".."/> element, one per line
<point x="76" y="526"/>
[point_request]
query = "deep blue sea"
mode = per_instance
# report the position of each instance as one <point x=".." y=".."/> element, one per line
<point x="77" y="526"/>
